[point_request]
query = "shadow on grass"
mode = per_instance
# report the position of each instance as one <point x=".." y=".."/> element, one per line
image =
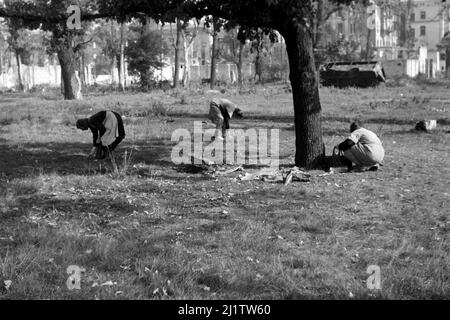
<point x="34" y="159"/>
<point x="387" y="121"/>
<point x="71" y="158"/>
<point x="99" y="209"/>
<point x="332" y="118"/>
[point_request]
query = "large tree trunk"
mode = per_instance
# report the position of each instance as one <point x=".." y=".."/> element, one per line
<point x="368" y="46"/>
<point x="176" y="76"/>
<point x="258" y="65"/>
<point x="1" y="61"/>
<point x="122" y="58"/>
<point x="307" y="109"/>
<point x="408" y="43"/>
<point x="113" y="70"/>
<point x="318" y="24"/>
<point x="62" y="83"/>
<point x="114" y="57"/>
<point x="187" y="45"/>
<point x="72" y="87"/>
<point x="214" y="55"/>
<point x="187" y="63"/>
<point x="240" y="63"/>
<point x="19" y="71"/>
<point x="447" y="62"/>
<point x="82" y="69"/>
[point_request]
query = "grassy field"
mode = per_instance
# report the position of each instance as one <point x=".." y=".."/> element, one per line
<point x="156" y="230"/>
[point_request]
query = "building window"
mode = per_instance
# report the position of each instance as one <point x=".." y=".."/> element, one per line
<point x="413" y="17"/>
<point x="423" y="31"/>
<point x="352" y="28"/>
<point x="340" y="28"/>
<point x="423" y="15"/>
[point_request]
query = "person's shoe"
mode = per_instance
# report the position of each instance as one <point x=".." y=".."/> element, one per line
<point x="374" y="168"/>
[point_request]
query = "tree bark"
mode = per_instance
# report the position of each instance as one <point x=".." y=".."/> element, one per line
<point x="214" y="55"/>
<point x="19" y="71"/>
<point x="122" y="58"/>
<point x="67" y="60"/>
<point x="258" y="65"/>
<point x="307" y="109"/>
<point x="113" y="70"/>
<point x="1" y="61"/>
<point x="408" y="29"/>
<point x="318" y="24"/>
<point x="447" y="62"/>
<point x="187" y="63"/>
<point x="82" y="69"/>
<point x="62" y="83"/>
<point x="176" y="77"/>
<point x="240" y="63"/>
<point x="368" y="46"/>
<point x="114" y="57"/>
<point x="187" y="44"/>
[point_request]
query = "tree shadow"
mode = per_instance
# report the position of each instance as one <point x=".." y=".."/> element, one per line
<point x="33" y="159"/>
<point x="387" y="121"/>
<point x="249" y="116"/>
<point x="30" y="159"/>
<point x="290" y="119"/>
<point x="102" y="207"/>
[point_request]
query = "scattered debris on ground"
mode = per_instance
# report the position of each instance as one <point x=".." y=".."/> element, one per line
<point x="285" y="176"/>
<point x="225" y="172"/>
<point x="271" y="175"/>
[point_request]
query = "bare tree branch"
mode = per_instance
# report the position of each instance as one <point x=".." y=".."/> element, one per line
<point x="80" y="46"/>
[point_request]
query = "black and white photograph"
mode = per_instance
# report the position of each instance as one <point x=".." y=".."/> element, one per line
<point x="224" y="156"/>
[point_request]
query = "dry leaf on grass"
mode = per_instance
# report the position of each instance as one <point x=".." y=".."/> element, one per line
<point x="105" y="284"/>
<point x="8" y="284"/>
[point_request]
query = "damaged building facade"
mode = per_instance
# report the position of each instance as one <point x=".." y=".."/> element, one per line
<point x="405" y="36"/>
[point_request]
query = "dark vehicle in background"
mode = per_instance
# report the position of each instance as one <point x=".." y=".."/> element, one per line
<point x="362" y="74"/>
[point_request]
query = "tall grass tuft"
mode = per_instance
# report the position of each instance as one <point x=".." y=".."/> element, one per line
<point x="158" y="109"/>
<point x="121" y="171"/>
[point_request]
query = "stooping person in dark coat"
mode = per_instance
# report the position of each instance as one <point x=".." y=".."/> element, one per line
<point x="107" y="132"/>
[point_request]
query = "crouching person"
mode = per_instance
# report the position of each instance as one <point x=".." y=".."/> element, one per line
<point x="107" y="132"/>
<point x="220" y="113"/>
<point x="362" y="148"/>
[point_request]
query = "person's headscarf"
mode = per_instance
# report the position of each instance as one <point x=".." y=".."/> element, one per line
<point x="238" y="113"/>
<point x="83" y="124"/>
<point x="355" y="126"/>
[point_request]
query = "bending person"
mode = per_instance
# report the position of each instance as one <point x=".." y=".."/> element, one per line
<point x="362" y="148"/>
<point x="107" y="131"/>
<point x="220" y="113"/>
